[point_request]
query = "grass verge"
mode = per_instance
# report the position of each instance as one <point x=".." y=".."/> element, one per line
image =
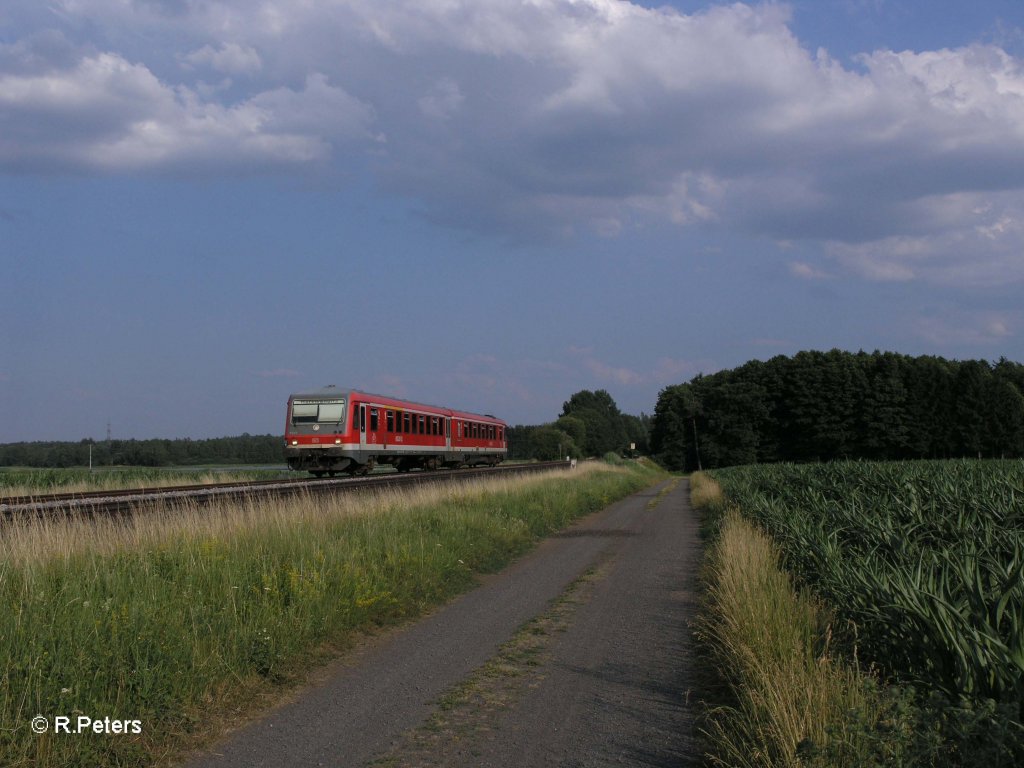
<point x="177" y="620"/>
<point x="791" y="702"/>
<point x="28" y="482"/>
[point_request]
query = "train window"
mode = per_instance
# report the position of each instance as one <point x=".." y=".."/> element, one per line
<point x="389" y="418"/>
<point x="303" y="412"/>
<point x="362" y="418"/>
<point x="309" y="411"/>
<point x="423" y="425"/>
<point x="405" y="423"/>
<point x="330" y="412"/>
<point x="433" y="425"/>
<point x="373" y="420"/>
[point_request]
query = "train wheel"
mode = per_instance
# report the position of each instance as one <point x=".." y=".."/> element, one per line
<point x="316" y="472"/>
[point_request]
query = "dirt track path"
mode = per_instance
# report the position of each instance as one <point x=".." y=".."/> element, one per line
<point x="610" y="687"/>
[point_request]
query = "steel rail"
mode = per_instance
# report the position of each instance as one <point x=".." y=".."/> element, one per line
<point x="130" y="501"/>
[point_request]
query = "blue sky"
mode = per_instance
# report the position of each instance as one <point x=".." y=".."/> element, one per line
<point x="489" y="204"/>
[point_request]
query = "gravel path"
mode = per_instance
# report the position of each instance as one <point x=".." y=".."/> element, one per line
<point x="612" y="688"/>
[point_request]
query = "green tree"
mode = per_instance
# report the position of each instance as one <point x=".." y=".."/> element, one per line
<point x="675" y="415"/>
<point x="573" y="426"/>
<point x="604" y="428"/>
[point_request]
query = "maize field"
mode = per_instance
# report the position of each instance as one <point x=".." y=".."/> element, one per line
<point x="921" y="562"/>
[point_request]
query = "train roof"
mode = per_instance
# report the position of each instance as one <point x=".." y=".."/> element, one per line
<point x="334" y="391"/>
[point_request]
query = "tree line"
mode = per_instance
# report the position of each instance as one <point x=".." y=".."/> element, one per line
<point x="821" y="406"/>
<point x="590" y="425"/>
<point x="244" y="449"/>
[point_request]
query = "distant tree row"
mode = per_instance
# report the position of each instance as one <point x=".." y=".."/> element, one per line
<point x="819" y="406"/>
<point x="245" y="449"/>
<point x="590" y="425"/>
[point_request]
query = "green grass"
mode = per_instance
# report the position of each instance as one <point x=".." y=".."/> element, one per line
<point x="178" y="619"/>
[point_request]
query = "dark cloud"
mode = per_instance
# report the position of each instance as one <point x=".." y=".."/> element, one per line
<point x="540" y="120"/>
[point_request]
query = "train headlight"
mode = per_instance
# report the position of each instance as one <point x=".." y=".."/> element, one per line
<point x="295" y="442"/>
<point x="337" y="441"/>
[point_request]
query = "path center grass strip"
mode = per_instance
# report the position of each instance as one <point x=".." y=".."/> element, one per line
<point x="173" y="620"/>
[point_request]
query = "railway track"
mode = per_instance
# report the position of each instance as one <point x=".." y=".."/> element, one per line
<point x="131" y="501"/>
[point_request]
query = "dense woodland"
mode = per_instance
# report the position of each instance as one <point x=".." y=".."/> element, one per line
<point x="820" y="406"/>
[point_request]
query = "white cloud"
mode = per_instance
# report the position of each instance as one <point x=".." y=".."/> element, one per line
<point x="229" y="59"/>
<point x="965" y="239"/>
<point x="806" y="271"/>
<point x="967" y="328"/>
<point x="106" y="113"/>
<point x="442" y="100"/>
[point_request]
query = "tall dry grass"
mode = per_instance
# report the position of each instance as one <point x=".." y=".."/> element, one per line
<point x="793" y="702"/>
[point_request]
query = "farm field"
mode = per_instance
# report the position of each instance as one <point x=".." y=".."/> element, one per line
<point x="25" y="481"/>
<point x="180" y="621"/>
<point x="918" y="568"/>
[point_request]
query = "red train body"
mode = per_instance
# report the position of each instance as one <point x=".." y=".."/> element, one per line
<point x="336" y="430"/>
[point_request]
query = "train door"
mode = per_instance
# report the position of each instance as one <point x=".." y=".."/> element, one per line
<point x="362" y="426"/>
<point x="447" y="433"/>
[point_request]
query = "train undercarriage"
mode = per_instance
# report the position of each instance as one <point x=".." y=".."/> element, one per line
<point x="327" y="461"/>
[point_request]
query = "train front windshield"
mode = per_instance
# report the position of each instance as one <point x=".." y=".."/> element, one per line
<point x="317" y="412"/>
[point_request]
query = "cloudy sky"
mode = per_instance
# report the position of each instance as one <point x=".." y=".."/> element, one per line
<point x="208" y="204"/>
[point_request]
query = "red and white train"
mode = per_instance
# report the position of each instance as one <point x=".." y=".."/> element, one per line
<point x="335" y="430"/>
